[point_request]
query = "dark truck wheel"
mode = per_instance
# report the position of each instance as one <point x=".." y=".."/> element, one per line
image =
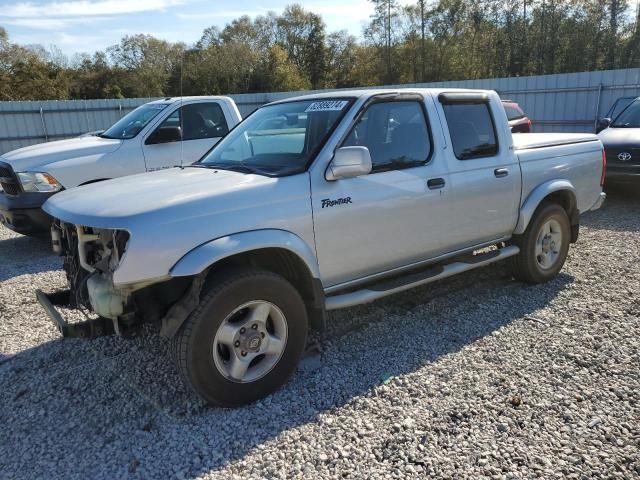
<point x="543" y="246"/>
<point x="245" y="338"/>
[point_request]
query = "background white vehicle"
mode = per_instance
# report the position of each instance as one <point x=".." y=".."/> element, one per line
<point x="160" y="134"/>
<point x="313" y="204"/>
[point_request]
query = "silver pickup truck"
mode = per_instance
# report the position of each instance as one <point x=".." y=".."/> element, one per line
<point x="313" y="204"/>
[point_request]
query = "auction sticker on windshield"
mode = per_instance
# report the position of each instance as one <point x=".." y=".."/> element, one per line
<point x="327" y="106"/>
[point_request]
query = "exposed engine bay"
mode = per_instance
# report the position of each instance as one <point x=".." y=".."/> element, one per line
<point x="91" y="256"/>
<point x="87" y="251"/>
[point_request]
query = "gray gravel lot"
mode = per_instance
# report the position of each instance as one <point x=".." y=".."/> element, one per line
<point x="477" y="376"/>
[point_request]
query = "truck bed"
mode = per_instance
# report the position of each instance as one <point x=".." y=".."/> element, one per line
<point x="527" y="141"/>
<point x="574" y="157"/>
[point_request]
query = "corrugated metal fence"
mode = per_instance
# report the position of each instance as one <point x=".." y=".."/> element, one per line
<point x="556" y="103"/>
<point x="27" y="123"/>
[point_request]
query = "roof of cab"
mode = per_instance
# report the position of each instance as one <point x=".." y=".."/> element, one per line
<point x="369" y="92"/>
<point x="170" y="100"/>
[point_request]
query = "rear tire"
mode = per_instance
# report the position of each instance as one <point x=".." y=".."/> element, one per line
<point x="245" y="338"/>
<point x="543" y="246"/>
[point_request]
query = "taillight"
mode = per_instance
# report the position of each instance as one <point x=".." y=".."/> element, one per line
<point x="530" y="124"/>
<point x="604" y="168"/>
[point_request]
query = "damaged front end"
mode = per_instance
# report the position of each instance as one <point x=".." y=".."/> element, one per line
<point x="91" y="256"/>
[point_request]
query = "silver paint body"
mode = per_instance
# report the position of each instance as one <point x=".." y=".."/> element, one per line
<point x="181" y="221"/>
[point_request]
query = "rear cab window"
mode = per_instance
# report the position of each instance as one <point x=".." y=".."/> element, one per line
<point x="472" y="129"/>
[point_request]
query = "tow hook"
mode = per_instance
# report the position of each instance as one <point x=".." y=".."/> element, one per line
<point x="93" y="328"/>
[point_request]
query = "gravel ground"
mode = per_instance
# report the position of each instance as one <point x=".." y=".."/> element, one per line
<point x="477" y="376"/>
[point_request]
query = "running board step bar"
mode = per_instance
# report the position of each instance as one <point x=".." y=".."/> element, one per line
<point x="400" y="284"/>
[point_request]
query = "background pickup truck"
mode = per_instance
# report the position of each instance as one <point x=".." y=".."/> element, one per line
<point x="160" y="134"/>
<point x="313" y="204"/>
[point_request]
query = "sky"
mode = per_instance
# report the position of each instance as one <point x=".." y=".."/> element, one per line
<point x="77" y="26"/>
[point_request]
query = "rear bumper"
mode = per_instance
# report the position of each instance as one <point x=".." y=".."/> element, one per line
<point x="23" y="213"/>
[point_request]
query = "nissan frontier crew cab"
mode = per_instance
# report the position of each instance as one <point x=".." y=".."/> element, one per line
<point x="160" y="134"/>
<point x="312" y="204"/>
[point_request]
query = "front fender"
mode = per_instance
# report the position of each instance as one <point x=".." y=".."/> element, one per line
<point x="205" y="255"/>
<point x="535" y="198"/>
<point x="73" y="172"/>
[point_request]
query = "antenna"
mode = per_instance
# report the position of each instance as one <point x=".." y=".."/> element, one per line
<point x="181" y="115"/>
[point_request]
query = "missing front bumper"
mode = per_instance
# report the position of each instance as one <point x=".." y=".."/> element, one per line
<point x="93" y="328"/>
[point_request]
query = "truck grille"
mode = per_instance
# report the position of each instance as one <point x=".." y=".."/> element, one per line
<point x="614" y="152"/>
<point x="9" y="180"/>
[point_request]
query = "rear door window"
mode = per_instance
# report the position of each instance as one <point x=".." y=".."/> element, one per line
<point x="472" y="130"/>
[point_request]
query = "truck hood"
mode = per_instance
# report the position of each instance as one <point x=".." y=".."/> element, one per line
<point x="170" y="212"/>
<point x="159" y="197"/>
<point x="620" y="137"/>
<point x="36" y="157"/>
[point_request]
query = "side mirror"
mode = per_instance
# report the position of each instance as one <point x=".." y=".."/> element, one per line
<point x="166" y="135"/>
<point x="349" y="162"/>
<point x="603" y="123"/>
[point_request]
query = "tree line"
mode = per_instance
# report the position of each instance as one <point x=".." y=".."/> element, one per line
<point x="422" y="42"/>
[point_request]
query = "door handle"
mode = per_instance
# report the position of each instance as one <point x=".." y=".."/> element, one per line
<point x="501" y="172"/>
<point x="435" y="183"/>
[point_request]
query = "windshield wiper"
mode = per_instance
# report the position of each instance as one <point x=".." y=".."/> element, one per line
<point x="231" y="168"/>
<point x="239" y="168"/>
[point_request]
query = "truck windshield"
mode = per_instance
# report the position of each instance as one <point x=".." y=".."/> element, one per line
<point x="133" y="122"/>
<point x="619" y="105"/>
<point x="630" y="117"/>
<point x="279" y="139"/>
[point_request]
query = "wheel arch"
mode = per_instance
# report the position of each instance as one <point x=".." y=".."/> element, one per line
<point x="277" y="251"/>
<point x="561" y="192"/>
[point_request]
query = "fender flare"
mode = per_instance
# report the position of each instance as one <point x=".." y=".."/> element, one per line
<point x="207" y="254"/>
<point x="536" y="197"/>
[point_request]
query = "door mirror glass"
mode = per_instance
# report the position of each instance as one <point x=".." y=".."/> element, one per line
<point x="349" y="162"/>
<point x="166" y="135"/>
<point x="603" y="123"/>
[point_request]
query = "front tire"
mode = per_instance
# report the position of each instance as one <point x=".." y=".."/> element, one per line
<point x="543" y="246"/>
<point x="245" y="338"/>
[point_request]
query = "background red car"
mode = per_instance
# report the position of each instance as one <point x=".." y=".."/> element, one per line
<point x="518" y="121"/>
